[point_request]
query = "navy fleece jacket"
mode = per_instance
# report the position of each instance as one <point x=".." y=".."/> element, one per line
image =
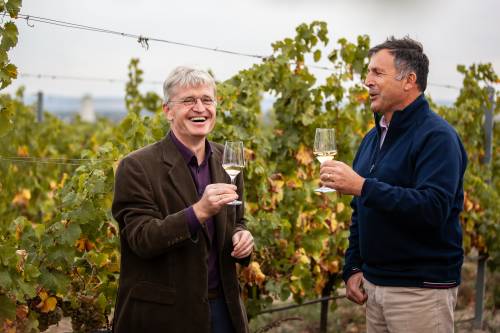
<point x="405" y="228"/>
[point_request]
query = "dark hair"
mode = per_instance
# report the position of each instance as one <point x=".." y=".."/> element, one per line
<point x="408" y="57"/>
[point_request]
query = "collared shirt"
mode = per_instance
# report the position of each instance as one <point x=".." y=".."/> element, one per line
<point x="384" y="126"/>
<point x="201" y="177"/>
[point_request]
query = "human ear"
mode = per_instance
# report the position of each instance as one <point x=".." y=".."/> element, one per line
<point x="168" y="112"/>
<point x="410" y="81"/>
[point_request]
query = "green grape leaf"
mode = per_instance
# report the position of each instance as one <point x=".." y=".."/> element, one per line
<point x="9" y="36"/>
<point x="317" y="55"/>
<point x="7" y="308"/>
<point x="71" y="234"/>
<point x="5" y="279"/>
<point x="11" y="71"/>
<point x="13" y="7"/>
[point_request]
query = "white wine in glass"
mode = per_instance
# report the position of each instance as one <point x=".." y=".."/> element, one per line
<point x="233" y="161"/>
<point x="325" y="149"/>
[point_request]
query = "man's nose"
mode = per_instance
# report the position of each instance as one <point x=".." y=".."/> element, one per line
<point x="368" y="81"/>
<point x="198" y="105"/>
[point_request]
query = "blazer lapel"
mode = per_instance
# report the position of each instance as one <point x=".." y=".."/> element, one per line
<point x="219" y="175"/>
<point x="180" y="177"/>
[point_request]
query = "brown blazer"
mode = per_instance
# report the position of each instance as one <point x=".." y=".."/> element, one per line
<point x="164" y="272"/>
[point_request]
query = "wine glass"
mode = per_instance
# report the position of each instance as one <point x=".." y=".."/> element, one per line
<point x="233" y="161"/>
<point x="325" y="149"/>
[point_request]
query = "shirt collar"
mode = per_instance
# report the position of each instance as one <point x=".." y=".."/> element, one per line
<point x="383" y="124"/>
<point x="186" y="153"/>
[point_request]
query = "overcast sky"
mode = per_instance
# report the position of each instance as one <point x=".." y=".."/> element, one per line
<point x="452" y="32"/>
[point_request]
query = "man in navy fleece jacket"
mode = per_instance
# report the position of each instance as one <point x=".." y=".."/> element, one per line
<point x="405" y="246"/>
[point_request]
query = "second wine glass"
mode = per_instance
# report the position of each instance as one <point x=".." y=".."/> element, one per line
<point x="233" y="161"/>
<point x="325" y="149"/>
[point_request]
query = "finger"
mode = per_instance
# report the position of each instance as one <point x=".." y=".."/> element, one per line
<point x="214" y="189"/>
<point x="223" y="194"/>
<point x="239" y="243"/>
<point x="245" y="242"/>
<point x="224" y="187"/>
<point x="224" y="199"/>
<point x="352" y="298"/>
<point x="244" y="252"/>
<point x="236" y="238"/>
<point x="327" y="177"/>
<point x="358" y="295"/>
<point x="327" y="163"/>
<point x="244" y="236"/>
<point x="240" y="255"/>
<point x="325" y="169"/>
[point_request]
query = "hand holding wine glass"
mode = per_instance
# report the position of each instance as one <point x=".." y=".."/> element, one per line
<point x="325" y="149"/>
<point x="233" y="161"/>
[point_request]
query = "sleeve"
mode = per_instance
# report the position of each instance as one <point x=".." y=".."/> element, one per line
<point x="240" y="223"/>
<point x="353" y="261"/>
<point x="437" y="173"/>
<point x="146" y="232"/>
<point x="193" y="222"/>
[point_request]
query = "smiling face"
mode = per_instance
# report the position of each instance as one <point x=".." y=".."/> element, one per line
<point x="191" y="124"/>
<point x="388" y="91"/>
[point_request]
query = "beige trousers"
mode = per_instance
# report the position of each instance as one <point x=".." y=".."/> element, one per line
<point x="408" y="309"/>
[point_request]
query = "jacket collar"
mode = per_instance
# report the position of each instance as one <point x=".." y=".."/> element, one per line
<point x="186" y="153"/>
<point x="181" y="179"/>
<point x="179" y="173"/>
<point x="409" y="115"/>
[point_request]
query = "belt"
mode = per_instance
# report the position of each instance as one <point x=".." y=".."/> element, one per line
<point x="214" y="294"/>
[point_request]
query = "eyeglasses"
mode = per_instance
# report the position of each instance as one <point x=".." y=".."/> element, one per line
<point x="191" y="101"/>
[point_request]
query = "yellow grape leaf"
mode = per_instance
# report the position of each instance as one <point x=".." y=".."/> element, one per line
<point x="43" y="295"/>
<point x="362" y="97"/>
<point x="252" y="207"/>
<point x="63" y="180"/>
<point x="80" y="244"/>
<point x="52" y="185"/>
<point x="468" y="205"/>
<point x="22" y="151"/>
<point x="113" y="267"/>
<point x="22" y="198"/>
<point x="249" y="154"/>
<point x="333" y="266"/>
<point x="304" y="260"/>
<point x="19" y="231"/>
<point x="304" y="156"/>
<point x="253" y="274"/>
<point x="49" y="305"/>
<point x="83" y="244"/>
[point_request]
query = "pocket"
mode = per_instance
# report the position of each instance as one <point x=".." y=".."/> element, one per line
<point x="153" y="292"/>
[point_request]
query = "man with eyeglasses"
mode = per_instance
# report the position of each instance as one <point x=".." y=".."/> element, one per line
<point x="405" y="245"/>
<point x="180" y="241"/>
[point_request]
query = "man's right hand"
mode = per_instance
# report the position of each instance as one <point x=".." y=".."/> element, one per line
<point x="214" y="198"/>
<point x="354" y="289"/>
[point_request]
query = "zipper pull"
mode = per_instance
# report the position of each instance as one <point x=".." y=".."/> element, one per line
<point x="372" y="167"/>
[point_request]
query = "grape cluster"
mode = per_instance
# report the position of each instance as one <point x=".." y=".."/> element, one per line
<point x="45" y="319"/>
<point x="86" y="317"/>
<point x="50" y="318"/>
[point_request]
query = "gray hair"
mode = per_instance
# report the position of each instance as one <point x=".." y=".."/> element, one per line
<point x="409" y="57"/>
<point x="183" y="77"/>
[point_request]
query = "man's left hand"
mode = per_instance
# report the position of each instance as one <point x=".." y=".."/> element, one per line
<point x="341" y="177"/>
<point x="242" y="244"/>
